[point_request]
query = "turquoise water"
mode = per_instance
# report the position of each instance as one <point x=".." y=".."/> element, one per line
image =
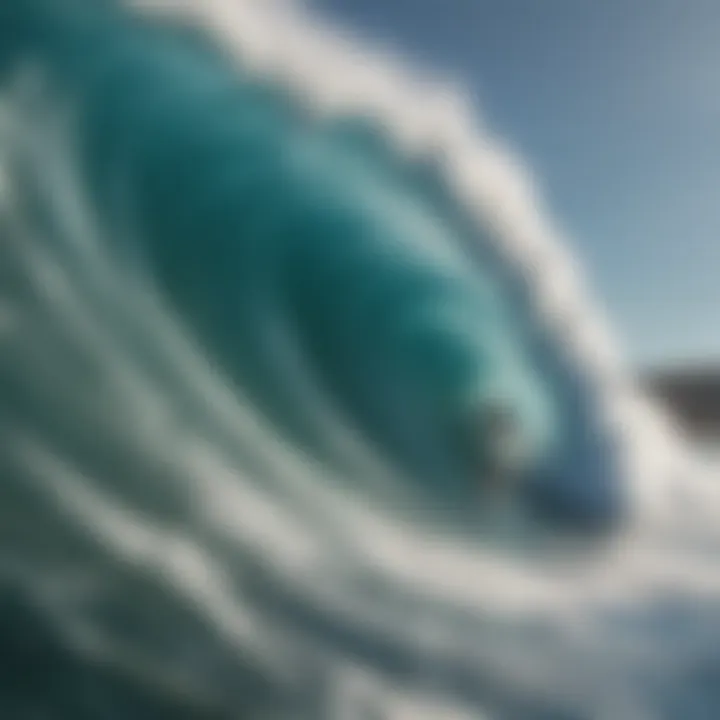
<point x="244" y="346"/>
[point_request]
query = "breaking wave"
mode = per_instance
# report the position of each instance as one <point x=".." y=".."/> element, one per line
<point x="202" y="514"/>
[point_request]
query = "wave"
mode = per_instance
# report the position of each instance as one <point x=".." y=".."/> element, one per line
<point x="232" y="479"/>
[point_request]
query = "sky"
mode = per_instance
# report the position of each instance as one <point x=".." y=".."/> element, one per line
<point x="615" y="106"/>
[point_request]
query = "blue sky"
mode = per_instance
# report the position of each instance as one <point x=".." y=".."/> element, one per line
<point x="615" y="104"/>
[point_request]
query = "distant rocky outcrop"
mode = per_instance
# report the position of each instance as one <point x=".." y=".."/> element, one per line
<point x="691" y="393"/>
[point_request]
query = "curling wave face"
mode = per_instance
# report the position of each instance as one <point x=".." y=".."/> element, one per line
<point x="246" y="348"/>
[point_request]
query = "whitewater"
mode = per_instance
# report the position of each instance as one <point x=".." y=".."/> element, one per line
<point x="187" y="535"/>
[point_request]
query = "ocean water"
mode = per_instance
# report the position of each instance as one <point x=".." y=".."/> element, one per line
<point x="217" y="503"/>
